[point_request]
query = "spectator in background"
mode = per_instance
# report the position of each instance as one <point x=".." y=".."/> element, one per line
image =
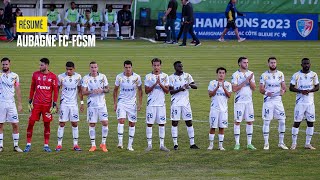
<point x="171" y="16"/>
<point x="125" y="19"/>
<point x="8" y="20"/>
<point x="111" y="21"/>
<point x="86" y="22"/>
<point x="17" y="13"/>
<point x="54" y="19"/>
<point x="72" y="17"/>
<point x="97" y="19"/>
<point x="2" y="18"/>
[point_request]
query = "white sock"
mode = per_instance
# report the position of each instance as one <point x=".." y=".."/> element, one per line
<point x="161" y="135"/>
<point x="120" y="133"/>
<point x="106" y="34"/>
<point x="211" y="139"/>
<point x="295" y="132"/>
<point x="59" y="30"/>
<point x="117" y="33"/>
<point x="236" y="130"/>
<point x="15" y="138"/>
<point x="105" y="131"/>
<point x="281" y="130"/>
<point x="149" y="135"/>
<point x="131" y="135"/>
<point x="92" y="133"/>
<point x="266" y="130"/>
<point x="174" y="132"/>
<point x="68" y="30"/>
<point x="92" y="30"/>
<point x="60" y="135"/>
<point x="79" y="29"/>
<point x="309" y="133"/>
<point x="221" y="137"/>
<point x="1" y="140"/>
<point x="249" y="130"/>
<point x="75" y="135"/>
<point x="191" y="134"/>
<point x="46" y="145"/>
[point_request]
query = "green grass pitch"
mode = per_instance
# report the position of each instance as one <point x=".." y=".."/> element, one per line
<point x="201" y="62"/>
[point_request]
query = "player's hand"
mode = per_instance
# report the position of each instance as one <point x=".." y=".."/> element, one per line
<point x="115" y="107"/>
<point x="186" y="86"/>
<point x="30" y="105"/>
<point x="181" y="88"/>
<point x="81" y="108"/>
<point x="54" y="22"/>
<point x="282" y="92"/>
<point x="139" y="107"/>
<point x="54" y="108"/>
<point x="305" y="92"/>
<point x="19" y="107"/>
<point x="269" y="94"/>
<point x="158" y="80"/>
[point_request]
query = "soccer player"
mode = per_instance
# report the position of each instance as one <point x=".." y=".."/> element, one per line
<point x="243" y="84"/>
<point x="9" y="84"/>
<point x="179" y="85"/>
<point x="95" y="85"/>
<point x="97" y="19"/>
<point x="125" y="104"/>
<point x="86" y="22"/>
<point x="304" y="82"/>
<point x="231" y="15"/>
<point x="72" y="18"/>
<point x="156" y="86"/>
<point x="273" y="87"/>
<point x="70" y="84"/>
<point x="111" y="21"/>
<point x="54" y="19"/>
<point x="219" y="91"/>
<point x="44" y="83"/>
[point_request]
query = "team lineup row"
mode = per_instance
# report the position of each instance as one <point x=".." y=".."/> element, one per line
<point x="45" y="87"/>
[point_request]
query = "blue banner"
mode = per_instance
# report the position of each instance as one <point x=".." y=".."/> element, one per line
<point x="256" y="26"/>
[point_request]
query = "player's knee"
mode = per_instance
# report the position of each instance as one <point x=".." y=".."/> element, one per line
<point x="104" y="123"/>
<point x="132" y="124"/>
<point x="62" y="124"/>
<point x="237" y="123"/>
<point x="250" y="123"/>
<point x="189" y="123"/>
<point x="74" y="124"/>
<point x="309" y="124"/>
<point x="161" y="125"/>
<point x="296" y="124"/>
<point x="1" y="125"/>
<point x="92" y="125"/>
<point x="121" y="121"/>
<point x="175" y="123"/>
<point x="212" y="130"/>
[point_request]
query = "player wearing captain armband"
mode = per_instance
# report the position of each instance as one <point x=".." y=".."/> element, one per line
<point x="273" y="87"/>
<point x="304" y="82"/>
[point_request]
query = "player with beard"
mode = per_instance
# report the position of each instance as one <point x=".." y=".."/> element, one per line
<point x="9" y="84"/>
<point x="243" y="84"/>
<point x="42" y="102"/>
<point x="273" y="87"/>
<point x="304" y="83"/>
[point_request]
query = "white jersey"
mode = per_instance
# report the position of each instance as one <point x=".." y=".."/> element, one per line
<point x="245" y="93"/>
<point x="7" y="86"/>
<point x="181" y="98"/>
<point x="156" y="97"/>
<point x="128" y="88"/>
<point x="220" y="100"/>
<point x="98" y="82"/>
<point x="304" y="81"/>
<point x="272" y="83"/>
<point x="69" y="88"/>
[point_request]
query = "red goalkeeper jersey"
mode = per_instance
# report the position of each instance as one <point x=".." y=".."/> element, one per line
<point x="42" y="87"/>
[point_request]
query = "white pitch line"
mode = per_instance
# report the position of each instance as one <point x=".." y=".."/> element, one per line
<point x="201" y="121"/>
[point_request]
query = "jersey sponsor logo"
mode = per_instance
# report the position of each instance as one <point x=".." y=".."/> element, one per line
<point x="44" y="87"/>
<point x="70" y="89"/>
<point x="127" y="90"/>
<point x="6" y="84"/>
<point x="304" y="27"/>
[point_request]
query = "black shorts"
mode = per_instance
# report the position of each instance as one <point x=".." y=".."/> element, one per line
<point x="231" y="24"/>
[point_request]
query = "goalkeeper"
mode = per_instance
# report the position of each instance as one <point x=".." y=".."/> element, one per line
<point x="231" y="15"/>
<point x="41" y="103"/>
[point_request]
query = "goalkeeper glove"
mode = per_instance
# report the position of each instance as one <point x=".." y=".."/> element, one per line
<point x="53" y="109"/>
<point x="30" y="105"/>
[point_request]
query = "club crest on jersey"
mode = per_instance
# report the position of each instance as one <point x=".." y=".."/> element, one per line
<point x="44" y="78"/>
<point x="39" y="79"/>
<point x="304" y="26"/>
<point x="70" y="80"/>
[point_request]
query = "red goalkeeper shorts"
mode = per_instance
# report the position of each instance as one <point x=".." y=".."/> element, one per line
<point x="39" y="110"/>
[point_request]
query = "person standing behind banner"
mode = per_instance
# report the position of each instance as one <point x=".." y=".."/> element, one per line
<point x="8" y="20"/>
<point x="171" y="16"/>
<point x="188" y="19"/>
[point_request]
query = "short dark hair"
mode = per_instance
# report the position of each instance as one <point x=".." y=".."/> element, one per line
<point x="5" y="58"/>
<point x="53" y="5"/>
<point x="88" y="11"/>
<point x="17" y="10"/>
<point x="95" y="5"/>
<point x="109" y="6"/>
<point x="128" y="62"/>
<point x="1" y="9"/>
<point x="70" y="64"/>
<point x="305" y="59"/>
<point x="241" y="58"/>
<point x="177" y="62"/>
<point x="45" y="61"/>
<point x="221" y="68"/>
<point x="272" y="57"/>
<point x="93" y="62"/>
<point x="156" y="60"/>
<point x="73" y="3"/>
